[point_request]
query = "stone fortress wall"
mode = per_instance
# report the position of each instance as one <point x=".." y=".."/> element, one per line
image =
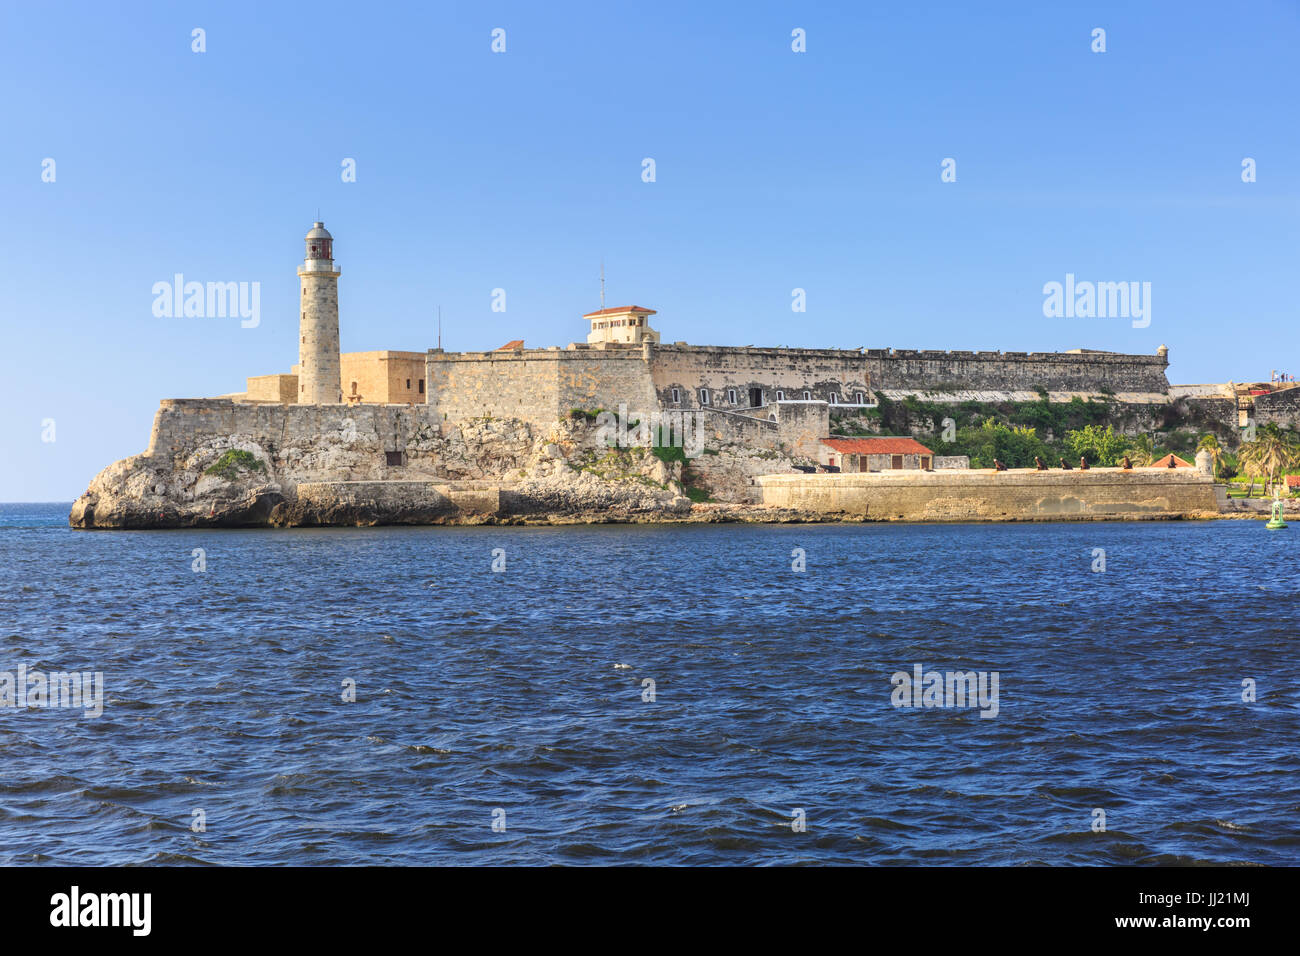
<point x="538" y="386"/>
<point x="183" y="424"/>
<point x="756" y="375"/>
<point x="1281" y="407"/>
<point x="998" y="496"/>
<point x="384" y="376"/>
<point x="1076" y="371"/>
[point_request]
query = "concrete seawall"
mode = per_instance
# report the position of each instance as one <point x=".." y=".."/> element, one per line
<point x="1017" y="495"/>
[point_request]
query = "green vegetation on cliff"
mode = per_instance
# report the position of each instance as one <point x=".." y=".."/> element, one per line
<point x="1014" y="432"/>
<point x="233" y="463"/>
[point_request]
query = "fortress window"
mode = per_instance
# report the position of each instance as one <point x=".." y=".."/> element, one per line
<point x="835" y="399"/>
<point x="677" y="396"/>
<point x="807" y="396"/>
<point x="408" y="384"/>
<point x="860" y="398"/>
<point x="421" y="386"/>
<point x="704" y="396"/>
<point x="780" y="395"/>
<point x="731" y="396"/>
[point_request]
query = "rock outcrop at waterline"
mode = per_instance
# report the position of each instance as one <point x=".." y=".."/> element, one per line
<point x="222" y="464"/>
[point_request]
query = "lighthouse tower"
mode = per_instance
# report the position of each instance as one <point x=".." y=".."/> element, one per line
<point x="319" y="379"/>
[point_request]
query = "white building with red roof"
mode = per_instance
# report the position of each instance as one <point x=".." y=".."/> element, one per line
<point x="875" y="454"/>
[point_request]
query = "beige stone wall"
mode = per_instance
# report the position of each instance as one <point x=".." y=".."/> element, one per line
<point x="272" y="388"/>
<point x="385" y="377"/>
<point x="797" y="431"/>
<point x="995" y="496"/>
<point x="537" y="385"/>
<point x="825" y="373"/>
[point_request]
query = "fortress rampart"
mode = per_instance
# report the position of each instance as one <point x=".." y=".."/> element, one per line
<point x="997" y="496"/>
<point x="756" y="375"/>
<point x="182" y="424"/>
<point x="1082" y="371"/>
<point x="536" y="385"/>
<point x="1280" y="408"/>
<point x="795" y="428"/>
<point x="539" y="385"/>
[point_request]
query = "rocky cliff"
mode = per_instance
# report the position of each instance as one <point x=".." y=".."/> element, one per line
<point x="219" y="463"/>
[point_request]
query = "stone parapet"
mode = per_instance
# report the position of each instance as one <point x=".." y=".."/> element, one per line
<point x="1016" y="495"/>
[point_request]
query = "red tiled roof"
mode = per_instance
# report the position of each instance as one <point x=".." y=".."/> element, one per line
<point x="1293" y="481"/>
<point x="1178" y="462"/>
<point x="512" y="345"/>
<point x="877" y="446"/>
<point x="621" y="310"/>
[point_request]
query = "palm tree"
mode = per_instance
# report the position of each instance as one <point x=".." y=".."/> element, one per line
<point x="1211" y="444"/>
<point x="1141" y="451"/>
<point x="1269" y="456"/>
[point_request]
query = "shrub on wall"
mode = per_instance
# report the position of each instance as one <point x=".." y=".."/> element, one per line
<point x="234" y="462"/>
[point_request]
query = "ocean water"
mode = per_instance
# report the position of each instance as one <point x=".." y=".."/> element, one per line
<point x="519" y="698"/>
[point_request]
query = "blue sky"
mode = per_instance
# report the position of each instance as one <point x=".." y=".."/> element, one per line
<point x="775" y="170"/>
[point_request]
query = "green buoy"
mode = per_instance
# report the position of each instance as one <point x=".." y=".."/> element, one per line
<point x="1275" y="523"/>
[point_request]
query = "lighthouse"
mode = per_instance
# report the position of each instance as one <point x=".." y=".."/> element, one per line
<point x="319" y="381"/>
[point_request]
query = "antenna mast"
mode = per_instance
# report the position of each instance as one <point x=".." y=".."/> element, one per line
<point x="602" y="284"/>
<point x="439" y="328"/>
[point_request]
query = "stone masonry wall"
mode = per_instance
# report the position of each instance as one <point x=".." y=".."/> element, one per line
<point x="1280" y="408"/>
<point x="827" y="373"/>
<point x="183" y="424"/>
<point x="797" y="432"/>
<point x="1000" y="496"/>
<point x="272" y="388"/>
<point x="537" y="385"/>
<point x="1010" y="371"/>
<point x="383" y="376"/>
